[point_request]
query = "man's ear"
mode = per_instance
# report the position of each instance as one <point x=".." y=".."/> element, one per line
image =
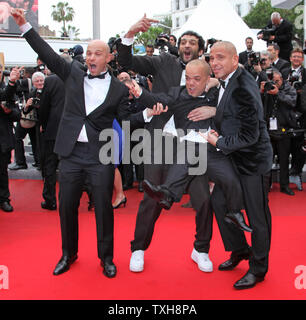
<point x="201" y="52"/>
<point x="109" y="58"/>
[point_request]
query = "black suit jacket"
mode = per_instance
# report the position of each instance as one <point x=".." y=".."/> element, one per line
<point x="166" y="68"/>
<point x="180" y="104"/>
<point x="74" y="115"/>
<point x="283" y="66"/>
<point x="7" y="141"/>
<point x="239" y="120"/>
<point x="283" y="37"/>
<point x="51" y="106"/>
<point x="243" y="57"/>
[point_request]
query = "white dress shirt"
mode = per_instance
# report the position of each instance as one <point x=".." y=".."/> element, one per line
<point x="221" y="91"/>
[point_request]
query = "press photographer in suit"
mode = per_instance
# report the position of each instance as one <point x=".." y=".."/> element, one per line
<point x="297" y="79"/>
<point x="9" y="113"/>
<point x="278" y="31"/>
<point x="281" y="100"/>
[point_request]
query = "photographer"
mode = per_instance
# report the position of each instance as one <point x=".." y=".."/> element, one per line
<point x="27" y="125"/>
<point x="278" y="31"/>
<point x="281" y="98"/>
<point x="163" y="44"/>
<point x="259" y="65"/>
<point x="297" y="79"/>
<point x="243" y="56"/>
<point x="283" y="66"/>
<point x="9" y="113"/>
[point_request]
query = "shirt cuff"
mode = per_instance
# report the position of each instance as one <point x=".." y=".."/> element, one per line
<point x="25" y="28"/>
<point x="145" y="117"/>
<point x="127" y="41"/>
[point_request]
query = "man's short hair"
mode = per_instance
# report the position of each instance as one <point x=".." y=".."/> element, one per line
<point x="192" y="33"/>
<point x="297" y="50"/>
<point x="174" y="37"/>
<point x="265" y="53"/>
<point x="150" y="46"/>
<point x="249" y="38"/>
<point x="37" y="74"/>
<point x="275" y="46"/>
<point x="275" y="15"/>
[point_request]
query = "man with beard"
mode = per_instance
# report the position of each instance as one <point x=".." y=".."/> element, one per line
<point x="168" y="71"/>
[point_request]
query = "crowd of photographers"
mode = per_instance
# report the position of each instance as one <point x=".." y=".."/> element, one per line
<point x="33" y="105"/>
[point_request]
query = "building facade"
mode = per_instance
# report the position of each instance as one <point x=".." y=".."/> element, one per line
<point x="181" y="10"/>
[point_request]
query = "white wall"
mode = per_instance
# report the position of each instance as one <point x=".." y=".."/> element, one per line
<point x="18" y="52"/>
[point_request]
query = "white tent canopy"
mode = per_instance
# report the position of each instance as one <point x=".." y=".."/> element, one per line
<point x="217" y="19"/>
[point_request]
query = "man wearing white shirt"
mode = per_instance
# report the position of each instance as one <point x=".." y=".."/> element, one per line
<point x="93" y="98"/>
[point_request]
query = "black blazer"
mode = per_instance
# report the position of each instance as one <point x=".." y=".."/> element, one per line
<point x="243" y="57"/>
<point x="239" y="120"/>
<point x="51" y="106"/>
<point x="74" y="114"/>
<point x="180" y="104"/>
<point x="7" y="141"/>
<point x="166" y="68"/>
<point x="283" y="37"/>
<point x="283" y="66"/>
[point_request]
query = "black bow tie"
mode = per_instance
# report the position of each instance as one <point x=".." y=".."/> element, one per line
<point x="222" y="82"/>
<point x="100" y="76"/>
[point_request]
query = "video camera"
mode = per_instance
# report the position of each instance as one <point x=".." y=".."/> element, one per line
<point x="73" y="52"/>
<point x="294" y="80"/>
<point x="161" y="44"/>
<point x="267" y="33"/>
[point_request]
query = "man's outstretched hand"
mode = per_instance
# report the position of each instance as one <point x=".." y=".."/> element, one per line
<point x="141" y="26"/>
<point x="19" y="17"/>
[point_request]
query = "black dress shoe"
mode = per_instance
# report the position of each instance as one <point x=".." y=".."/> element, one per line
<point x="158" y="193"/>
<point x="287" y="190"/>
<point x="48" y="206"/>
<point x="237" y="219"/>
<point x="140" y="186"/>
<point x="109" y="269"/>
<point x="64" y="264"/>
<point x="6" y="206"/>
<point x="18" y="167"/>
<point x="249" y="280"/>
<point x="234" y="260"/>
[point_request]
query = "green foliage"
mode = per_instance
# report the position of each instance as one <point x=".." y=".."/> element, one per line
<point x="62" y="13"/>
<point x="148" y="37"/>
<point x="259" y="16"/>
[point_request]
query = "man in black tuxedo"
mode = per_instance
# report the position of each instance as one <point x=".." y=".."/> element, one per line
<point x="92" y="101"/>
<point x="283" y="66"/>
<point x="168" y="71"/>
<point x="243" y="56"/>
<point x="241" y="132"/>
<point x="9" y="113"/>
<point x="49" y="115"/>
<point x="282" y="35"/>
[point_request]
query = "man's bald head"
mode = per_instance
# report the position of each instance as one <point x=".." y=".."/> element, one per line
<point x="227" y="45"/>
<point x="223" y="59"/>
<point x="97" y="56"/>
<point x="202" y="66"/>
<point x="197" y="76"/>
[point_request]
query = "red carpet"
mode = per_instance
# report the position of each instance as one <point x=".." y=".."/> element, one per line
<point x="31" y="246"/>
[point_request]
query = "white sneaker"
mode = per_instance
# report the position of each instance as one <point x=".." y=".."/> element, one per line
<point x="137" y="262"/>
<point x="203" y="261"/>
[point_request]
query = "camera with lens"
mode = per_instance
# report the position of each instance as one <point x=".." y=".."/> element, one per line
<point x="270" y="84"/>
<point x="254" y="58"/>
<point x="267" y="33"/>
<point x="69" y="51"/>
<point x="36" y="99"/>
<point x="160" y="40"/>
<point x="294" y="80"/>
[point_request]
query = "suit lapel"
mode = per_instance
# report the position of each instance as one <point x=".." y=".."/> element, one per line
<point x="227" y="92"/>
